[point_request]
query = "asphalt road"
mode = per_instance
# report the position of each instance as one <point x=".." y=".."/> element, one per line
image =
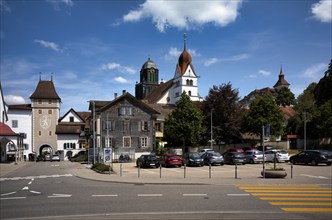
<point x="50" y="191"/>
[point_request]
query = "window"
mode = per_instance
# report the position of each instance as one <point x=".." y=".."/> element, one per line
<point x="40" y="111"/>
<point x="144" y="142"/>
<point x="71" y="119"/>
<point x="188" y="83"/>
<point x="125" y="110"/>
<point x="158" y="126"/>
<point x="40" y="101"/>
<point x="14" y="124"/>
<point x="39" y="133"/>
<point x="26" y="146"/>
<point x="50" y="133"/>
<point x="126" y="125"/>
<point x="107" y="125"/>
<point x="189" y="93"/>
<point x="191" y="82"/>
<point x="145" y="125"/>
<point x="177" y="94"/>
<point x="50" y="111"/>
<point x="126" y="142"/>
<point x="49" y="101"/>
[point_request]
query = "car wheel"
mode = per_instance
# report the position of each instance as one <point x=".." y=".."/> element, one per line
<point x="252" y="161"/>
<point x="328" y="164"/>
<point x="313" y="163"/>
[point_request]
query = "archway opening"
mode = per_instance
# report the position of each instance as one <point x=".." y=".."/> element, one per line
<point x="46" y="151"/>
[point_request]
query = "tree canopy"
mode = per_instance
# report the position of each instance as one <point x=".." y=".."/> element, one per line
<point x="183" y="127"/>
<point x="323" y="90"/>
<point x="222" y="103"/>
<point x="285" y="97"/>
<point x="263" y="111"/>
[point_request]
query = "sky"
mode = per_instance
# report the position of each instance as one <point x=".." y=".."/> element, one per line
<point x="93" y="49"/>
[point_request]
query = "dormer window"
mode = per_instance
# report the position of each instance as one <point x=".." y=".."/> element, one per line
<point x="71" y="119"/>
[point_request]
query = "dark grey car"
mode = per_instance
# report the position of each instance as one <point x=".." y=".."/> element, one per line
<point x="235" y="158"/>
<point x="213" y="158"/>
<point x="192" y="159"/>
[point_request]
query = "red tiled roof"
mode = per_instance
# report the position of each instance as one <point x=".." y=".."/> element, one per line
<point x="5" y="130"/>
<point x="45" y="90"/>
<point x="157" y="93"/>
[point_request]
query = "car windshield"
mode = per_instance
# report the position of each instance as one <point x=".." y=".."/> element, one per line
<point x="195" y="156"/>
<point x="174" y="157"/>
<point x="327" y="153"/>
<point x="282" y="152"/>
<point x="216" y="154"/>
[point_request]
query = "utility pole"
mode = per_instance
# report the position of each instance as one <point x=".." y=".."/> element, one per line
<point x="211" y="130"/>
<point x="305" y="131"/>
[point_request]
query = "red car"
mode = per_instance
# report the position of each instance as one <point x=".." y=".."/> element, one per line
<point x="170" y="160"/>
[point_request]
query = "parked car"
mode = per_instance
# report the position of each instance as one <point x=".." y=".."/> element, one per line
<point x="213" y="158"/>
<point x="254" y="156"/>
<point x="277" y="155"/>
<point x="55" y="157"/>
<point x="192" y="159"/>
<point x="313" y="157"/>
<point x="147" y="161"/>
<point x="170" y="160"/>
<point x="235" y="158"/>
<point x="238" y="150"/>
<point x="203" y="151"/>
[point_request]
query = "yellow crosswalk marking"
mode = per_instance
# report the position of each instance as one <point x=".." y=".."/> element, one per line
<point x="295" y="198"/>
<point x="307" y="209"/>
<point x="303" y="203"/>
<point x="299" y="198"/>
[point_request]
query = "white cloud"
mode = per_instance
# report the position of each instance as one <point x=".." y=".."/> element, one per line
<point x="56" y="3"/>
<point x="322" y="10"/>
<point x="264" y="73"/>
<point x="118" y="67"/>
<point x="211" y="61"/>
<point x="4" y="6"/>
<point x="121" y="80"/>
<point x="13" y="99"/>
<point x="175" y="53"/>
<point x="184" y="14"/>
<point x="238" y="57"/>
<point x="316" y="71"/>
<point x="50" y="45"/>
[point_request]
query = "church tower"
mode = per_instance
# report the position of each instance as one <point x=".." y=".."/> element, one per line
<point x="185" y="78"/>
<point x="45" y="104"/>
<point x="149" y="78"/>
<point x="281" y="81"/>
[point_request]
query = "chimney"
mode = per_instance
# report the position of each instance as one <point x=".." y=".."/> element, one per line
<point x="115" y="95"/>
<point x="124" y="92"/>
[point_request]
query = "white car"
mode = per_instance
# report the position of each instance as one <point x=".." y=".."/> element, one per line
<point x="278" y="155"/>
<point x="55" y="157"/>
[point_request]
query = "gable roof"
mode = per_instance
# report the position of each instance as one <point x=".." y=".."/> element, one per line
<point x="157" y="93"/>
<point x="72" y="110"/>
<point x="281" y="81"/>
<point x="20" y="107"/>
<point x="127" y="96"/>
<point x="5" y="130"/>
<point x="45" y="90"/>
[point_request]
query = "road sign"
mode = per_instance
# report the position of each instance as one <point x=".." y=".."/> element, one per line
<point x="107" y="155"/>
<point x="267" y="130"/>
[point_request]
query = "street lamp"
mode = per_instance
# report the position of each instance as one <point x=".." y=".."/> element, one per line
<point x="211" y="130"/>
<point x="305" y="131"/>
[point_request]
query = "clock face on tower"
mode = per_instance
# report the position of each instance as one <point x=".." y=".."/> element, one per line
<point x="45" y="122"/>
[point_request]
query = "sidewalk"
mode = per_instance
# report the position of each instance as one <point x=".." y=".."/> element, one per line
<point x="175" y="176"/>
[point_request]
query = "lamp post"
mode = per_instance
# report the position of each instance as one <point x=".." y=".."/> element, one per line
<point x="305" y="131"/>
<point x="211" y="129"/>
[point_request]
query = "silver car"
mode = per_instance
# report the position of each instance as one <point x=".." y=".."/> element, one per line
<point x="254" y="156"/>
<point x="277" y="156"/>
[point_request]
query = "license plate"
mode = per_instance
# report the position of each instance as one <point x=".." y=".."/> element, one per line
<point x="175" y="160"/>
<point x="152" y="164"/>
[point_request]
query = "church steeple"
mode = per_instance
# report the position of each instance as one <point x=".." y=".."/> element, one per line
<point x="281" y="81"/>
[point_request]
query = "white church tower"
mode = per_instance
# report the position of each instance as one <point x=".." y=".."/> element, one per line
<point x="185" y="78"/>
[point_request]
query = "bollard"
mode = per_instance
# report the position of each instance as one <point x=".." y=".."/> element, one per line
<point x="160" y="172"/>
<point x="139" y="171"/>
<point x="235" y="170"/>
<point x="121" y="169"/>
<point x="184" y="171"/>
<point x="291" y="170"/>
<point x="210" y="170"/>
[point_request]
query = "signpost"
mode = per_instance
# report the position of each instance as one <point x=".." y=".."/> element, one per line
<point x="107" y="155"/>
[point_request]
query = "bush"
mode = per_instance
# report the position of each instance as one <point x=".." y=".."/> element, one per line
<point x="101" y="167"/>
<point x="80" y="158"/>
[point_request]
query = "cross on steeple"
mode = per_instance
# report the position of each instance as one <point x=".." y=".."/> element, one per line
<point x="185" y="39"/>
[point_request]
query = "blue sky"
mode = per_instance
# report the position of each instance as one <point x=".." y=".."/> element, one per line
<point x="97" y="48"/>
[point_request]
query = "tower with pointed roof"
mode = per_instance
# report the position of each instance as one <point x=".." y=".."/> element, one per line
<point x="281" y="81"/>
<point x="45" y="104"/>
<point x="149" y="77"/>
<point x="185" y="78"/>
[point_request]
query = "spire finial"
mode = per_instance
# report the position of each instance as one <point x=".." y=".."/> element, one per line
<point x="52" y="77"/>
<point x="281" y="73"/>
<point x="185" y="39"/>
<point x="39" y="76"/>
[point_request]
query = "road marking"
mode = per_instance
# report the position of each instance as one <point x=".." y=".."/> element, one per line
<point x="10" y="198"/>
<point x="25" y="188"/>
<point x="307" y="209"/>
<point x="149" y="195"/>
<point x="317" y="177"/>
<point x="287" y="190"/>
<point x="194" y="194"/>
<point x="7" y="194"/>
<point x="302" y="203"/>
<point x="35" y="192"/>
<point x="239" y="194"/>
<point x="290" y="194"/>
<point x="36" y="177"/>
<point x="105" y="195"/>
<point x="59" y="196"/>
<point x="294" y="198"/>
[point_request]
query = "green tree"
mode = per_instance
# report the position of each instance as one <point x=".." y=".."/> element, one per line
<point x="227" y="116"/>
<point x="285" y="97"/>
<point x="323" y="120"/>
<point x="184" y="127"/>
<point x="323" y="91"/>
<point x="263" y="110"/>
